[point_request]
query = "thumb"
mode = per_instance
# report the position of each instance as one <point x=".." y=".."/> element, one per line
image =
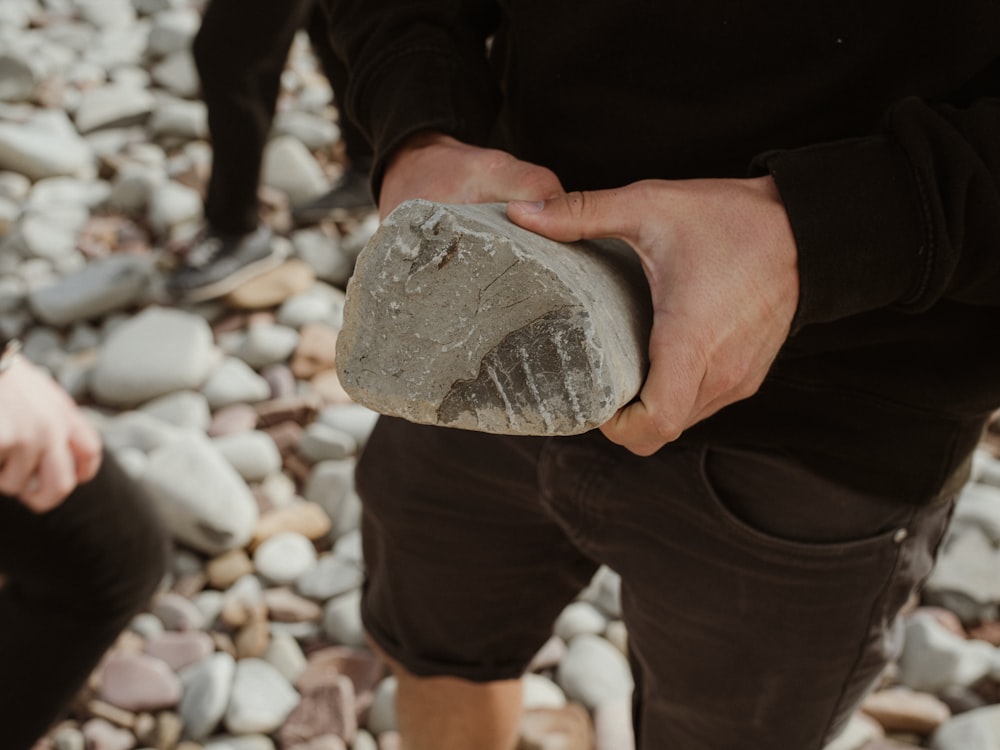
<point x="581" y="215"/>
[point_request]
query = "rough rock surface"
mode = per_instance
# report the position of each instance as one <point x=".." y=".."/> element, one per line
<point x="457" y="317"/>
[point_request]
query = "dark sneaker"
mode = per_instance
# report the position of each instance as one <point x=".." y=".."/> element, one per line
<point x="349" y="197"/>
<point x="217" y="263"/>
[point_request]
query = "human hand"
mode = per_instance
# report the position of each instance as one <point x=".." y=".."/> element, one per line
<point x="439" y="168"/>
<point x="47" y="446"/>
<point x="721" y="263"/>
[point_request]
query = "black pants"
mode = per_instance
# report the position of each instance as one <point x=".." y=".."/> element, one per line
<point x="240" y="51"/>
<point x="74" y="578"/>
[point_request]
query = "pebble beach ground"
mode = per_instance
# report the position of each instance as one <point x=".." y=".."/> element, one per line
<point x="254" y="640"/>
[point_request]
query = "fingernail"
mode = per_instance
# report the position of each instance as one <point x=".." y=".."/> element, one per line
<point x="529" y="207"/>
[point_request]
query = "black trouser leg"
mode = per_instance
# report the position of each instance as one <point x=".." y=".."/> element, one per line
<point x="74" y="578"/>
<point x="241" y="50"/>
<point x="356" y="146"/>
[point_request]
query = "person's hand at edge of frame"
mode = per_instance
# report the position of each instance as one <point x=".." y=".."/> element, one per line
<point x="47" y="446"/>
<point x="437" y="167"/>
<point x="722" y="267"/>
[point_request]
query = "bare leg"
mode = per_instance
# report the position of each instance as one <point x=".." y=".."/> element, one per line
<point x="447" y="713"/>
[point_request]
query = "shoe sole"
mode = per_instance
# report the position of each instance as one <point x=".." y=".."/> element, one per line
<point x="236" y="279"/>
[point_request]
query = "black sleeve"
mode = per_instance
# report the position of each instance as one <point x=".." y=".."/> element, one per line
<point x="416" y="65"/>
<point x="903" y="218"/>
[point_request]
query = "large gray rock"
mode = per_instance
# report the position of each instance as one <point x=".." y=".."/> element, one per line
<point x="457" y="317"/>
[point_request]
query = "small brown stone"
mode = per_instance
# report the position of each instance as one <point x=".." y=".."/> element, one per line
<point x="284" y="605"/>
<point x="253" y="638"/>
<point x="316" y="351"/>
<point x="169" y="728"/>
<point x="272" y="288"/>
<point x="988" y="631"/>
<point x="232" y="419"/>
<point x="328" y="386"/>
<point x="112" y="714"/>
<point x="286" y="435"/>
<point x="223" y="571"/>
<point x="903" y="710"/>
<point x="326" y="709"/>
<point x="305" y="518"/>
<point x="300" y="408"/>
<point x="390" y="741"/>
<point x="362" y="667"/>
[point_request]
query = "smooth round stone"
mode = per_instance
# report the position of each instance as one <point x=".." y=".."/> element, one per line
<point x="172" y="205"/>
<point x="332" y="576"/>
<point x="934" y="658"/>
<point x="273" y="287"/>
<point x="244" y="742"/>
<point x="290" y="167"/>
<point x="133" y="187"/>
<point x="284" y="605"/>
<point x="180" y="649"/>
<point x="112" y="105"/>
<point x="541" y="692"/>
<point x="342" y="620"/>
<point x="208" y="686"/>
<point x="321" y="442"/>
<point x="382" y="713"/>
<point x="202" y="499"/>
<point x="45" y="146"/>
<point x="101" y="287"/>
<point x="101" y="734"/>
<point x="617" y="635"/>
<point x="364" y="741"/>
<point x="579" y="618"/>
<point x="285" y="654"/>
<point x="180" y="118"/>
<point x="178" y="74"/>
<point x="210" y="604"/>
<point x="137" y="430"/>
<point x="267" y="345"/>
<point x="187" y="409"/>
<point x="604" y="592"/>
<point x="613" y="725"/>
<point x="177" y="612"/>
<point x="859" y="732"/>
<point x="172" y="31"/>
<point x="234" y="381"/>
<point x="224" y="570"/>
<point x="356" y="420"/>
<point x="285" y="557"/>
<point x="158" y="351"/>
<point x="261" y="699"/>
<point x="305" y="518"/>
<point x="325" y="255"/>
<point x="70" y="738"/>
<point x="137" y="682"/>
<point x="253" y="454"/>
<point x="238" y="417"/>
<point x="594" y="672"/>
<point x="14" y="186"/>
<point x="281" y="379"/>
<point x="17" y="79"/>
<point x="147" y="625"/>
<point x="315" y="132"/>
<point x="348" y="548"/>
<point x="331" y="486"/>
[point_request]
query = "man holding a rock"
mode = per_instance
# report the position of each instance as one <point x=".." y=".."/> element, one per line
<point x="814" y="195"/>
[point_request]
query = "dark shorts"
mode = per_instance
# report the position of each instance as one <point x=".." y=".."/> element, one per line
<point x="758" y="597"/>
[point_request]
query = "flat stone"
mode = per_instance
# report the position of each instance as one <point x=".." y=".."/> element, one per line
<point x="327" y="709"/>
<point x="101" y="287"/>
<point x="330" y="577"/>
<point x="180" y="649"/>
<point x="113" y="105"/>
<point x="934" y="658"/>
<point x="305" y="518"/>
<point x="137" y="682"/>
<point x="233" y="382"/>
<point x="45" y="146"/>
<point x="594" y="672"/>
<point x="208" y="686"/>
<point x="273" y="287"/>
<point x="202" y="499"/>
<point x="157" y="352"/>
<point x="290" y="167"/>
<point x="253" y="454"/>
<point x="284" y="605"/>
<point x="342" y="620"/>
<point x="537" y="337"/>
<point x="316" y="350"/>
<point x="902" y="710"/>
<point x="261" y="699"/>
<point x="857" y="734"/>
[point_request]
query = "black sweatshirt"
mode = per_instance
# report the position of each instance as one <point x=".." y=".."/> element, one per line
<point x="878" y="119"/>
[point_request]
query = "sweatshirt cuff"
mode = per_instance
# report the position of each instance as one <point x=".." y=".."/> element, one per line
<point x="856" y="214"/>
<point x="424" y="89"/>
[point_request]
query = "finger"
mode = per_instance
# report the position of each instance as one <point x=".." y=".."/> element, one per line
<point x="667" y="403"/>
<point x="56" y="479"/>
<point x="577" y="216"/>
<point x="20" y="464"/>
<point x="85" y="448"/>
